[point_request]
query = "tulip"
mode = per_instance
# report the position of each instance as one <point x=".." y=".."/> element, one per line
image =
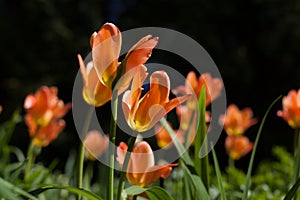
<point x="1" y="109"/>
<point x="106" y="45"/>
<point x="94" y="92"/>
<point x="44" y="135"/>
<point x="43" y="113"/>
<point x="95" y="144"/>
<point x="236" y="121"/>
<point x="141" y="169"/>
<point x="143" y="112"/>
<point x="237" y="146"/>
<point x="193" y="85"/>
<point x="291" y="109"/>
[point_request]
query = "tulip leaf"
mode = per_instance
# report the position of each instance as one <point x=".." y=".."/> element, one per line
<point x="187" y="164"/>
<point x="196" y="183"/>
<point x="89" y="195"/>
<point x="12" y="192"/>
<point x="153" y="193"/>
<point x="291" y="193"/>
<point x="245" y="194"/>
<point x="218" y="174"/>
<point x="8" y="128"/>
<point x="182" y="151"/>
<point x="201" y="164"/>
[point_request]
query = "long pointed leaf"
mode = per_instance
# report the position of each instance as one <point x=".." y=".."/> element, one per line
<point x="218" y="174"/>
<point x="201" y="164"/>
<point x="291" y="193"/>
<point x="153" y="193"/>
<point x="245" y="194"/>
<point x="78" y="191"/>
<point x="187" y="164"/>
<point x="12" y="192"/>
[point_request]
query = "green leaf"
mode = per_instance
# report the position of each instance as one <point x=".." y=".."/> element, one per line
<point x="291" y="193"/>
<point x="182" y="151"/>
<point x="12" y="192"/>
<point x="195" y="181"/>
<point x="218" y="174"/>
<point x="187" y="164"/>
<point x="245" y="194"/>
<point x="187" y="189"/>
<point x="78" y="191"/>
<point x="153" y="193"/>
<point x="201" y="164"/>
<point x="8" y="128"/>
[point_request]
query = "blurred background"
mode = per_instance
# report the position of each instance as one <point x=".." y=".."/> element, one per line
<point x="255" y="44"/>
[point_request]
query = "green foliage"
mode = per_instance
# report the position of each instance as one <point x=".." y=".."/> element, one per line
<point x="153" y="193"/>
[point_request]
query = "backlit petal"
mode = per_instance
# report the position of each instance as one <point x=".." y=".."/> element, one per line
<point x="106" y="50"/>
<point x="140" y="52"/>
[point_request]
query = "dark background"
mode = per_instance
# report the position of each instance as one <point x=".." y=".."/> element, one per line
<point x="255" y="44"/>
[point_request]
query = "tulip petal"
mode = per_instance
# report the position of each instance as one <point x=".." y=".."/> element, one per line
<point x="140" y="52"/>
<point x="141" y="158"/>
<point x="106" y="51"/>
<point x="154" y="173"/>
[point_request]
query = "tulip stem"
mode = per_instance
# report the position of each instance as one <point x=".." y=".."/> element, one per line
<point x="82" y="149"/>
<point x="125" y="165"/>
<point x="112" y="139"/>
<point x="30" y="160"/>
<point x="297" y="157"/>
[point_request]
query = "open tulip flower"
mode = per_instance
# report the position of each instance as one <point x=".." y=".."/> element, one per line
<point x="141" y="169"/>
<point x="43" y="113"/>
<point x="143" y="112"/>
<point x="95" y="144"/>
<point x="237" y="146"/>
<point x="100" y="74"/>
<point x="236" y="121"/>
<point x="291" y="109"/>
<point x="193" y="85"/>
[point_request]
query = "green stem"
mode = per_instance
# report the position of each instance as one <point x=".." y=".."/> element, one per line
<point x="82" y="149"/>
<point x="297" y="157"/>
<point x="30" y="160"/>
<point x="125" y="165"/>
<point x="231" y="162"/>
<point x="112" y="138"/>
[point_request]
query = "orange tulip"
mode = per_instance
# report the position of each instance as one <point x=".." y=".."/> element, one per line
<point x="44" y="135"/>
<point x="44" y="111"/>
<point x="291" y="109"/>
<point x="95" y="144"/>
<point x="193" y="85"/>
<point x="141" y="169"/>
<point x="94" y="92"/>
<point x="237" y="146"/>
<point x="1" y="109"/>
<point x="143" y="112"/>
<point x="106" y="45"/>
<point x="236" y="121"/>
<point x="100" y="74"/>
